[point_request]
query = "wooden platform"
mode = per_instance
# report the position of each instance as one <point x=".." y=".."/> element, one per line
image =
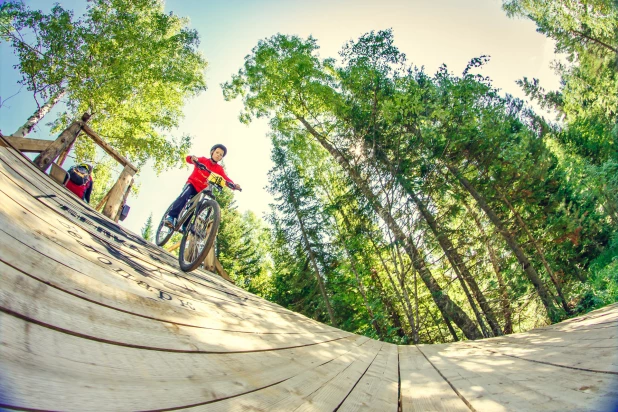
<point x="93" y="318"/>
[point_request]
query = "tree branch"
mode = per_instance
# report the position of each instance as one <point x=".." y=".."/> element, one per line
<point x="597" y="41"/>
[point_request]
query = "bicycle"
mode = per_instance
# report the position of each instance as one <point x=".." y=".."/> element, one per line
<point x="201" y="217"/>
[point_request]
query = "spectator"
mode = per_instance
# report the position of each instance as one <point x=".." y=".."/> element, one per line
<point x="79" y="181"/>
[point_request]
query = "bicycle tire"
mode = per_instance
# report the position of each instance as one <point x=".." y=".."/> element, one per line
<point x="161" y="238"/>
<point x="200" y="235"/>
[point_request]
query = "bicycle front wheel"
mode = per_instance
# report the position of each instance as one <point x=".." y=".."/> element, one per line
<point x="199" y="237"/>
<point x="164" y="233"/>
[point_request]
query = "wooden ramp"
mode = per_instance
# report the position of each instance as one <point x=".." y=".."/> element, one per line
<point x="93" y="318"/>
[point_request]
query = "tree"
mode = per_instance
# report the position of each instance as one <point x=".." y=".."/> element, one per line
<point x="242" y="246"/>
<point x="302" y="220"/>
<point x="283" y="76"/>
<point x="128" y="63"/>
<point x="148" y="230"/>
<point x="428" y="199"/>
<point x="585" y="143"/>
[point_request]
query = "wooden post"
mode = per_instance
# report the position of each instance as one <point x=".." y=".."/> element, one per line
<point x="107" y="148"/>
<point x="124" y="200"/>
<point x="209" y="262"/>
<point x="66" y="138"/>
<point x="116" y="194"/>
<point x="222" y="271"/>
<point x="28" y="145"/>
<point x="64" y="154"/>
<point x="173" y="247"/>
<point x="102" y="202"/>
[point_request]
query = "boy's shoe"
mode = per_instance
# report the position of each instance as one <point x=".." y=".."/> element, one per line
<point x="170" y="222"/>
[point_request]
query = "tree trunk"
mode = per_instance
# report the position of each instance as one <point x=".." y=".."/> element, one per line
<point x="540" y="252"/>
<point x="405" y="303"/>
<point x="314" y="264"/>
<point x="448" y="308"/>
<point x="459" y="267"/>
<point x="39" y="114"/>
<point x="354" y="267"/>
<point x="552" y="312"/>
<point x="504" y="296"/>
<point x="390" y="308"/>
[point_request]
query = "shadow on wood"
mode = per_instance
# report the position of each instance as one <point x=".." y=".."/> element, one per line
<point x="94" y="318"/>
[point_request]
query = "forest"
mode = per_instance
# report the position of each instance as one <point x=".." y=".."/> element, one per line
<point x="409" y="207"/>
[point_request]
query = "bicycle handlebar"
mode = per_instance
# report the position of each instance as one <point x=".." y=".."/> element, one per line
<point x="201" y="166"/>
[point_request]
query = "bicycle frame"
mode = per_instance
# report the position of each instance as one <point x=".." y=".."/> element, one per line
<point x="188" y="210"/>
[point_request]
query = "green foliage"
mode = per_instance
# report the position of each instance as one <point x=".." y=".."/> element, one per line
<point x="242" y="246"/>
<point x="587" y="32"/>
<point x="378" y="162"/>
<point x="148" y="230"/>
<point x="128" y="63"/>
<point x="586" y="146"/>
<point x="602" y="288"/>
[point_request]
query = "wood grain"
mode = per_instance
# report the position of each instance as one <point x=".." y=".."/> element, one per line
<point x="94" y="318"/>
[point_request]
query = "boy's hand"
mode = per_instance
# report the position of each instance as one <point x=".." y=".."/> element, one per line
<point x="194" y="159"/>
<point x="237" y="186"/>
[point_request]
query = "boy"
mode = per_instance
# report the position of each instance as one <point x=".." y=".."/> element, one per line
<point x="198" y="180"/>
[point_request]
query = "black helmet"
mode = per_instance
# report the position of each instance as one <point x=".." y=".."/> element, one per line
<point x="218" y="146"/>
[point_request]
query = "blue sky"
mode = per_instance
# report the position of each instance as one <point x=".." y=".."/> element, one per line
<point x="430" y="32"/>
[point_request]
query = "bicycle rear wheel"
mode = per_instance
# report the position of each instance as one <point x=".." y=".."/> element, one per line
<point x="199" y="236"/>
<point x="164" y="233"/>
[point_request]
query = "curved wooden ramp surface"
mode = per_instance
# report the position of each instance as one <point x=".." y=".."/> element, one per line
<point x="92" y="318"/>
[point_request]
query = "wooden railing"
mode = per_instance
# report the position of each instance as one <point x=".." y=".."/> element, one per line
<point x="50" y="150"/>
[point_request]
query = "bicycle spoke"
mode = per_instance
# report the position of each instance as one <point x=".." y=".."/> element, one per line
<point x="199" y="236"/>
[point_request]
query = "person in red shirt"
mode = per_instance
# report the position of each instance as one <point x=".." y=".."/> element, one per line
<point x="83" y="190"/>
<point x="198" y="180"/>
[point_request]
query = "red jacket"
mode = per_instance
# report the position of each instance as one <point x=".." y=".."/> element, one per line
<point x="82" y="191"/>
<point x="198" y="178"/>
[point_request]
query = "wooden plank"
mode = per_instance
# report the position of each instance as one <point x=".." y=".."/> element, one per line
<point x="140" y="253"/>
<point x="66" y="138"/>
<point x="137" y="248"/>
<point x="108" y="149"/>
<point x="72" y="312"/>
<point x="294" y="393"/>
<point x="494" y="382"/>
<point x="332" y="393"/>
<point x="40" y="183"/>
<point x="99" y="261"/>
<point x="378" y="388"/>
<point x="569" y="350"/>
<point x="45" y="369"/>
<point x="28" y="145"/>
<point x="115" y="284"/>
<point x="422" y="387"/>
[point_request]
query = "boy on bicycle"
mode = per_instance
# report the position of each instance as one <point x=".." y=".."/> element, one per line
<point x="198" y="180"/>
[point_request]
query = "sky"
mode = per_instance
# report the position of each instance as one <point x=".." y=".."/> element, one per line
<point x="429" y="32"/>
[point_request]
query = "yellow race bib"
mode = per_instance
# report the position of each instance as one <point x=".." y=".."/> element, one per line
<point x="216" y="179"/>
